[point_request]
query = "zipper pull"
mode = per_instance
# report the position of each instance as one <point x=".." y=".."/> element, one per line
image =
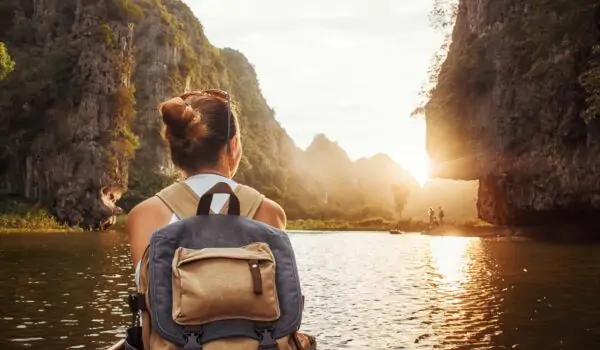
<point x="256" y="276"/>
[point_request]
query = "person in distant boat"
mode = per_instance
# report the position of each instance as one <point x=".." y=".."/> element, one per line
<point x="195" y="128"/>
<point x="441" y="215"/>
<point x="432" y="219"/>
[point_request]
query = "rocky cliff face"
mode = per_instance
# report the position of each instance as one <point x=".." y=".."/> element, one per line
<point x="516" y="106"/>
<point x="80" y="127"/>
<point x="84" y="69"/>
<point x="65" y="109"/>
<point x="172" y="56"/>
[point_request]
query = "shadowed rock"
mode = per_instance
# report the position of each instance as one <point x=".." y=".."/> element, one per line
<point x="509" y="109"/>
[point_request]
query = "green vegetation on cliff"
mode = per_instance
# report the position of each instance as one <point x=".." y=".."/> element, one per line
<point x="170" y="36"/>
<point x="7" y="65"/>
<point x="548" y="35"/>
<point x="67" y="107"/>
<point x="81" y="125"/>
<point x="516" y="106"/>
<point x="19" y="215"/>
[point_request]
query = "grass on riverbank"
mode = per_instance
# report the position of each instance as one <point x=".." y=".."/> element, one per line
<point x="375" y="224"/>
<point x="20" y="216"/>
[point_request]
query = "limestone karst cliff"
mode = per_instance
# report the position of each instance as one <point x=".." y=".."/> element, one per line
<point x="67" y="106"/>
<point x="80" y="125"/>
<point x="516" y="106"/>
<point x="80" y="131"/>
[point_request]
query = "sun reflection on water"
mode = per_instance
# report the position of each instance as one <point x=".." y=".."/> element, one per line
<point x="450" y="258"/>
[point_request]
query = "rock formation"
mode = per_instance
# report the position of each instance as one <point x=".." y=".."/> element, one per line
<point x="516" y="107"/>
<point x="84" y="69"/>
<point x="66" y="107"/>
<point x="79" y="127"/>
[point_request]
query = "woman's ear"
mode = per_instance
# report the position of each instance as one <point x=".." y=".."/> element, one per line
<point x="235" y="146"/>
<point x="235" y="155"/>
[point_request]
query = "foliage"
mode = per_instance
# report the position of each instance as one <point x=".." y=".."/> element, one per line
<point x="569" y="25"/>
<point x="320" y="184"/>
<point x="539" y="50"/>
<point x="122" y="142"/>
<point x="69" y="69"/>
<point x="41" y="83"/>
<point x="123" y="10"/>
<point x="7" y="65"/>
<point x="172" y="27"/>
<point x="559" y="26"/>
<point x="371" y="224"/>
<point x="441" y="18"/>
<point x="555" y="23"/>
<point x="400" y="193"/>
<point x="20" y="214"/>
<point x="144" y="184"/>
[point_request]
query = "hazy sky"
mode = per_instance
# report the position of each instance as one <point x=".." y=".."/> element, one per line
<point x="344" y="68"/>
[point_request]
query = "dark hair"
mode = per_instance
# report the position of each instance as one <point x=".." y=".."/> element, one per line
<point x="196" y="127"/>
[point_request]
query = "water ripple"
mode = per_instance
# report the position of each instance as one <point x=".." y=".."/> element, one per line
<point x="363" y="291"/>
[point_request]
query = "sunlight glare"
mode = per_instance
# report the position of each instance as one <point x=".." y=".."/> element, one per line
<point x="450" y="258"/>
<point x="410" y="152"/>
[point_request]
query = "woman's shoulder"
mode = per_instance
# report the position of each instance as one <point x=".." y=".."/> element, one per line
<point x="151" y="209"/>
<point x="269" y="211"/>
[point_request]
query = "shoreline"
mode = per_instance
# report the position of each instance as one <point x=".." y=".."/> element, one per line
<point x="312" y="226"/>
<point x="558" y="234"/>
<point x="8" y="231"/>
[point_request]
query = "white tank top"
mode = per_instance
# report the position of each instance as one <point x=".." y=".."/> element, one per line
<point x="200" y="184"/>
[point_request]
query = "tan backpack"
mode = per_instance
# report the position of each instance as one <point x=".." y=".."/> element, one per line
<point x="217" y="281"/>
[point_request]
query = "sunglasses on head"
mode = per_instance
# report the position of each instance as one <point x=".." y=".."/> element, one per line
<point x="223" y="95"/>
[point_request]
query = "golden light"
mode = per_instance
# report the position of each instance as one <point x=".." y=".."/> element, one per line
<point x="450" y="258"/>
<point x="419" y="168"/>
<point x="410" y="150"/>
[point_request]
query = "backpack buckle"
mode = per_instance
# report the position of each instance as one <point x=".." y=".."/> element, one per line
<point x="192" y="340"/>
<point x="267" y="339"/>
<point x="137" y="304"/>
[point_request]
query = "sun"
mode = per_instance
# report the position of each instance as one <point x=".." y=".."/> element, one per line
<point x="419" y="167"/>
<point x="409" y="149"/>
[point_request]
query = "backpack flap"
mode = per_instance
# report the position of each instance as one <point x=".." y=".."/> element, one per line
<point x="222" y="276"/>
<point x="201" y="293"/>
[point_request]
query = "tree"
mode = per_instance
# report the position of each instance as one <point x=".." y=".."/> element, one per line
<point x="441" y="18"/>
<point x="400" y="193"/>
<point x="7" y="65"/>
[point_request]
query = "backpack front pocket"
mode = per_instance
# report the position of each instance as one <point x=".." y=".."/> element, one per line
<point x="215" y="284"/>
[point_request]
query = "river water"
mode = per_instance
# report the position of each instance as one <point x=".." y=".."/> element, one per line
<point x="363" y="291"/>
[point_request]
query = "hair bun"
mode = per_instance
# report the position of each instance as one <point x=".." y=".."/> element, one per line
<point x="176" y="115"/>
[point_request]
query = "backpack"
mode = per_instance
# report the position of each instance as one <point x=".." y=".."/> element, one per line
<point x="217" y="281"/>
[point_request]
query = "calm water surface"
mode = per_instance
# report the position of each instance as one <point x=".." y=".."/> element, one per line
<point x="363" y="291"/>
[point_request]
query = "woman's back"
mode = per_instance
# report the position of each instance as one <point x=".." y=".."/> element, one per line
<point x="202" y="132"/>
<point x="203" y="135"/>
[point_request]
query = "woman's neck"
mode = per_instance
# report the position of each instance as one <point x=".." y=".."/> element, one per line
<point x="210" y="171"/>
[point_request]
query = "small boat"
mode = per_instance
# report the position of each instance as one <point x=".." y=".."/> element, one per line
<point x="118" y="346"/>
<point x="396" y="232"/>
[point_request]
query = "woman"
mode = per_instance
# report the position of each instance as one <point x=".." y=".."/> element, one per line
<point x="196" y="130"/>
